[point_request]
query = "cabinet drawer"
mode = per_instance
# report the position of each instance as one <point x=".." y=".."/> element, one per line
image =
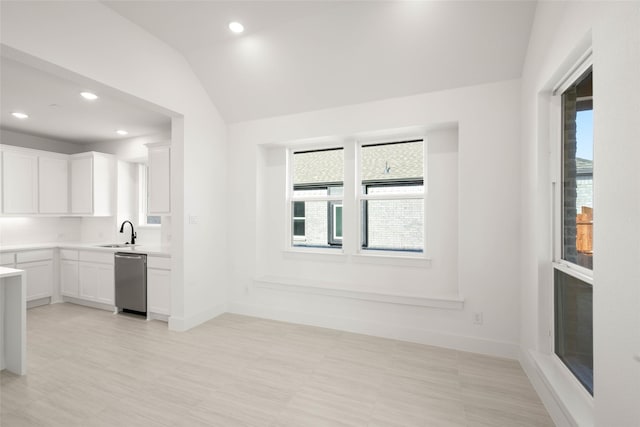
<point x="31" y="256"/>
<point x="69" y="254"/>
<point x="99" y="257"/>
<point x="161" y="263"/>
<point x="7" y="258"/>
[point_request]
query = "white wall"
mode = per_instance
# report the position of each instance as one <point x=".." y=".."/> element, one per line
<point x="94" y="42"/>
<point x="25" y="230"/>
<point x="481" y="263"/>
<point x="560" y="33"/>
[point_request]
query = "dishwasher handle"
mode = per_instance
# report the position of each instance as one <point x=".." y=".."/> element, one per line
<point x="141" y="257"/>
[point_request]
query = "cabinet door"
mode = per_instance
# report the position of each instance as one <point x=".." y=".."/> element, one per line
<point x="159" y="181"/>
<point x="106" y="284"/>
<point x="159" y="291"/>
<point x="39" y="279"/>
<point x="88" y="280"/>
<point x="82" y="185"/>
<point x="20" y="183"/>
<point x="53" y="183"/>
<point x="96" y="282"/>
<point x="69" y="282"/>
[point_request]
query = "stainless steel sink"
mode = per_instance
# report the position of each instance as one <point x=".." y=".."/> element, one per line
<point x="116" y="245"/>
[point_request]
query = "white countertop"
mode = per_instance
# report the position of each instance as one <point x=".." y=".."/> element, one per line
<point x="155" y="250"/>
<point x="9" y="272"/>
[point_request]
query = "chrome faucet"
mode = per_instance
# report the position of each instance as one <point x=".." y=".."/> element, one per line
<point x="133" y="233"/>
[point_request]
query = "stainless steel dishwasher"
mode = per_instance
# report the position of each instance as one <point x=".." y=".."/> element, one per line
<point x="131" y="282"/>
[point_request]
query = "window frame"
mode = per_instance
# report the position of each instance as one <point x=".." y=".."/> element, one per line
<point x="143" y="198"/>
<point x="558" y="263"/>
<point x="362" y="197"/>
<point x="582" y="66"/>
<point x="292" y="198"/>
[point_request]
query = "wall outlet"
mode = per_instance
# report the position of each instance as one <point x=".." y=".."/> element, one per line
<point x="477" y="318"/>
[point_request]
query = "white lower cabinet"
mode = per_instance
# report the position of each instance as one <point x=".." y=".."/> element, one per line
<point x="96" y="277"/>
<point x="69" y="281"/>
<point x="39" y="279"/>
<point x="159" y="285"/>
<point x="39" y="267"/>
<point x="96" y="282"/>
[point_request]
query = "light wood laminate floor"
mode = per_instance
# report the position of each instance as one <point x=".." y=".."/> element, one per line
<point x="89" y="367"/>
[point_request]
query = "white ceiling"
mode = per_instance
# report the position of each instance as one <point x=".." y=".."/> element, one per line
<point x="298" y="56"/>
<point x="56" y="109"/>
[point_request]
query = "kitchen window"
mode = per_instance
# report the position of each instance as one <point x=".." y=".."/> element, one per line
<point x="143" y="198"/>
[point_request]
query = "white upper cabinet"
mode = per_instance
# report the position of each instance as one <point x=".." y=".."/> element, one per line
<point x="159" y="184"/>
<point x="19" y="182"/>
<point x="53" y="185"/>
<point x="92" y="184"/>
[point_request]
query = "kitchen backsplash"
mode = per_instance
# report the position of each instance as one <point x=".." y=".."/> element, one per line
<point x="26" y="230"/>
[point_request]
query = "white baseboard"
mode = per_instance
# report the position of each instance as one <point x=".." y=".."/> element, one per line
<point x="384" y="330"/>
<point x="86" y="303"/>
<point x="181" y="324"/>
<point x="567" y="406"/>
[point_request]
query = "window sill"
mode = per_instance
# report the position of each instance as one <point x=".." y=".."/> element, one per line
<point x="315" y="254"/>
<point x="574" y="401"/>
<point x="391" y="258"/>
<point x="149" y="226"/>
<point x="350" y="291"/>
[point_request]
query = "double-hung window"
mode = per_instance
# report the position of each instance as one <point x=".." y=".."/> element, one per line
<point x="315" y="197"/>
<point x="391" y="196"/>
<point x="388" y="197"/>
<point x="573" y="259"/>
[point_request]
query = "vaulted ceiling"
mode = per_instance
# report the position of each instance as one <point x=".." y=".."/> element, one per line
<point x="308" y="55"/>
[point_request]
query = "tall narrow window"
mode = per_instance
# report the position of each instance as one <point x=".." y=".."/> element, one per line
<point x="316" y="197"/>
<point x="392" y="196"/>
<point x="143" y="197"/>
<point x="573" y="287"/>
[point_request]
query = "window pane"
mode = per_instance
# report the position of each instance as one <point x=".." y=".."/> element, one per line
<point x="152" y="219"/>
<point x="577" y="173"/>
<point x="298" y="227"/>
<point x="393" y="224"/>
<point x="316" y="225"/>
<point x="337" y="221"/>
<point x="318" y="167"/>
<point x="298" y="210"/>
<point x="394" y="161"/>
<point x="574" y="326"/>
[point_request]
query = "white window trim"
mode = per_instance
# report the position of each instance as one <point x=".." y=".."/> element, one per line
<point x="351" y="201"/>
<point x="566" y="377"/>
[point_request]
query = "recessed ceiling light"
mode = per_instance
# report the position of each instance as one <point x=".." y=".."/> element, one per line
<point x="122" y="132"/>
<point x="236" y="27"/>
<point x="88" y="95"/>
<point x="21" y="116"/>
